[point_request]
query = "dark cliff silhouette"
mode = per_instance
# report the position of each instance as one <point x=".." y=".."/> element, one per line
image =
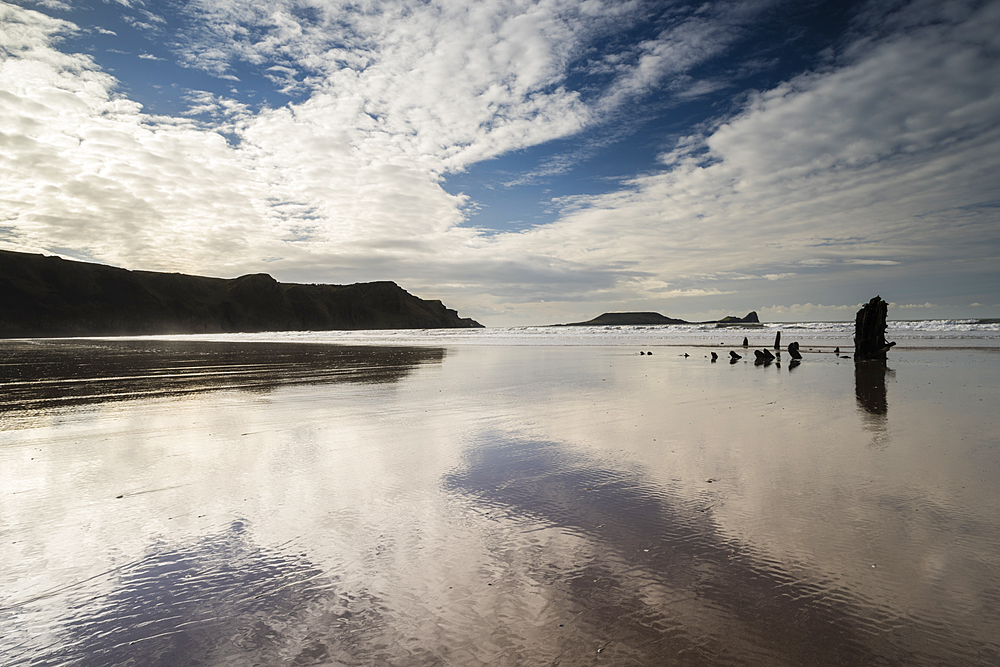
<point x="48" y="296"/>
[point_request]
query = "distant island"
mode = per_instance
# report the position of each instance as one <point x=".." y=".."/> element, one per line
<point x="633" y="319"/>
<point x="47" y="296"/>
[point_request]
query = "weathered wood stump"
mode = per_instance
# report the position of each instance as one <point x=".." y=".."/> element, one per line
<point x="777" y="341"/>
<point x="793" y="349"/>
<point x="869" y="331"/>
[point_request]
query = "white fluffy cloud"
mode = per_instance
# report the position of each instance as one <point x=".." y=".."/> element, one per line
<point x="879" y="166"/>
<point x="82" y="168"/>
<point x="886" y="158"/>
<point x="399" y="95"/>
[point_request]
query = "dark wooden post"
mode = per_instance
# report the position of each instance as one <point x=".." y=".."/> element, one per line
<point x="869" y="331"/>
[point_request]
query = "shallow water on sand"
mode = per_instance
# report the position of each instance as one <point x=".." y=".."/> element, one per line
<point x="242" y="503"/>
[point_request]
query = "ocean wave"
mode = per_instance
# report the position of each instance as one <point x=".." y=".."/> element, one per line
<point x="913" y="333"/>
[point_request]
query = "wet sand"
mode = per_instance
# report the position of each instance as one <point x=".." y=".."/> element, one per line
<point x="182" y="502"/>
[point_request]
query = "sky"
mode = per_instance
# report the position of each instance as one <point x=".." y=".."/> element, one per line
<point x="525" y="161"/>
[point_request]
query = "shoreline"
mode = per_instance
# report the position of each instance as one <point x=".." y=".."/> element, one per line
<point x="985" y="337"/>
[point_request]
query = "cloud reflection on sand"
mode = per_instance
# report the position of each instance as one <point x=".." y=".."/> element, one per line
<point x="508" y="506"/>
<point x="658" y="577"/>
<point x="195" y="603"/>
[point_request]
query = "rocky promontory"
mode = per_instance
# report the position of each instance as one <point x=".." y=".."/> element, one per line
<point x="43" y="296"/>
<point x="648" y="318"/>
<point x="749" y="318"/>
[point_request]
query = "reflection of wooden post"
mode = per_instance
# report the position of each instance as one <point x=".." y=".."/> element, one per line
<point x="869" y="331"/>
<point x="869" y="387"/>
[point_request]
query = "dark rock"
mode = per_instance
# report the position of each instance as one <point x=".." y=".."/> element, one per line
<point x="626" y="319"/>
<point x="715" y="357"/>
<point x="836" y="350"/>
<point x="793" y="350"/>
<point x="49" y="296"/>
<point x="651" y="318"/>
<point x="746" y="342"/>
<point x="751" y="318"/>
<point x="869" y="331"/>
<point x="763" y="357"/>
<point x="734" y="356"/>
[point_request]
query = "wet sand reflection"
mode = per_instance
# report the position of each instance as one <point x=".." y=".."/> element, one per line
<point x="869" y="386"/>
<point x="41" y="374"/>
<point x="463" y="514"/>
<point x="662" y="585"/>
<point x="870" y="390"/>
<point x="219" y="600"/>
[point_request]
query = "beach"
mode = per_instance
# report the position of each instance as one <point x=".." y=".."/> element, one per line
<point x="499" y="498"/>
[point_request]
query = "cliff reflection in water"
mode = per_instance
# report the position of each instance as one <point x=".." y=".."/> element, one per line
<point x="44" y="373"/>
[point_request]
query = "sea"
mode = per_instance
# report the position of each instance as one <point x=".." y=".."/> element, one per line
<point x="935" y="333"/>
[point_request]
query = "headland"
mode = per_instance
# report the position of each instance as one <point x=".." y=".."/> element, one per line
<point x="47" y="296"/>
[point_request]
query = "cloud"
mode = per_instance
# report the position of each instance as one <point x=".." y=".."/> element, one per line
<point x="808" y="311"/>
<point x="882" y="162"/>
<point x="905" y="306"/>
<point x="469" y="80"/>
<point x="220" y="109"/>
<point x="54" y="4"/>
<point x="882" y="149"/>
<point x="398" y="96"/>
<point x="82" y="167"/>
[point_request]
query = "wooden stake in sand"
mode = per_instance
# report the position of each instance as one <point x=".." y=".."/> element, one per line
<point x="869" y="331"/>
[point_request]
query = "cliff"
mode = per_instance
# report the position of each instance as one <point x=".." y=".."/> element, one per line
<point x="48" y="296"/>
